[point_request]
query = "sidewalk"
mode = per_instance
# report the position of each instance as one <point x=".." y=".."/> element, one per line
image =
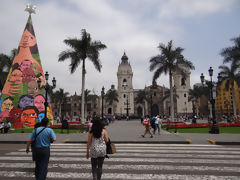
<point x="130" y="132"/>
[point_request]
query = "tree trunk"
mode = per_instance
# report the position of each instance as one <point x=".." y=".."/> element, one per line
<point x="60" y="110"/>
<point x="83" y="94"/>
<point x="171" y="96"/>
<point x="234" y="101"/>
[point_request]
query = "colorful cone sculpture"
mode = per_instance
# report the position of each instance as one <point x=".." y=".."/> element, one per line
<point x="22" y="100"/>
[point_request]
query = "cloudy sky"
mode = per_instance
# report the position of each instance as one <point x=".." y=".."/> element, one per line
<point x="201" y="27"/>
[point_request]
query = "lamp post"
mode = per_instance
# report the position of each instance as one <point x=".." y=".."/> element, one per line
<point x="151" y="111"/>
<point x="102" y="94"/>
<point x="214" y="129"/>
<point x="127" y="109"/>
<point x="46" y="87"/>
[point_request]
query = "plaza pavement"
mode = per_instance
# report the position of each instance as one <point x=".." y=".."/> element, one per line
<point x="130" y="132"/>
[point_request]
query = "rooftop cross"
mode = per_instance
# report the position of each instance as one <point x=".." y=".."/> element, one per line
<point x="30" y="8"/>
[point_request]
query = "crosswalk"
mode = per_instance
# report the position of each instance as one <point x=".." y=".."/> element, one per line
<point x="133" y="162"/>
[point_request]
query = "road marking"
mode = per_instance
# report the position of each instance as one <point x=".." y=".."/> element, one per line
<point x="147" y="160"/>
<point x="73" y="175"/>
<point x="67" y="153"/>
<point x="211" y="141"/>
<point x="189" y="140"/>
<point x="176" y="154"/>
<point x="124" y="167"/>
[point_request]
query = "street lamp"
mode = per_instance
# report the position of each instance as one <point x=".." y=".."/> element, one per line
<point x="102" y="94"/>
<point x="214" y="128"/>
<point x="151" y="101"/>
<point x="46" y="87"/>
<point x="127" y="109"/>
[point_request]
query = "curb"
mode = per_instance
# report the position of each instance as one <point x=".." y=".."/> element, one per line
<point x="222" y="142"/>
<point x="227" y="143"/>
<point x="134" y="142"/>
<point x="211" y="141"/>
<point x="13" y="142"/>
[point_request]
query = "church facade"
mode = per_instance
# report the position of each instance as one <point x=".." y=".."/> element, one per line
<point x="156" y="101"/>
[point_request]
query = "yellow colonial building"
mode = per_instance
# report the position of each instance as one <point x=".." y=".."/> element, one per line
<point x="224" y="100"/>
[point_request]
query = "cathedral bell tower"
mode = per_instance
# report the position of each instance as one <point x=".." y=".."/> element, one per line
<point x="125" y="105"/>
<point x="182" y="86"/>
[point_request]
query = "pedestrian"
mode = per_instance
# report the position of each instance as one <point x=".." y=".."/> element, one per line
<point x="1" y="127"/>
<point x="147" y="127"/>
<point x="58" y="119"/>
<point x="157" y="122"/>
<point x="153" y="124"/>
<point x="45" y="136"/>
<point x="97" y="139"/>
<point x="7" y="127"/>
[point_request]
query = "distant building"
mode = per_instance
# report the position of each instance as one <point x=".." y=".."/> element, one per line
<point x="126" y="105"/>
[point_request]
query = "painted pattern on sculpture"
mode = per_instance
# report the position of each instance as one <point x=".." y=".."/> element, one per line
<point x="22" y="101"/>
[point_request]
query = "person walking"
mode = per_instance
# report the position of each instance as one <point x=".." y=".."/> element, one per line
<point x="44" y="137"/>
<point x="157" y="122"/>
<point x="147" y="123"/>
<point x="97" y="139"/>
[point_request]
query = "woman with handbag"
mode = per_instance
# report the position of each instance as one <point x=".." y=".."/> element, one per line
<point x="42" y="136"/>
<point x="97" y="139"/>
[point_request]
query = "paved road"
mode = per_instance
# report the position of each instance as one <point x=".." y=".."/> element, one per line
<point x="130" y="132"/>
<point x="132" y="161"/>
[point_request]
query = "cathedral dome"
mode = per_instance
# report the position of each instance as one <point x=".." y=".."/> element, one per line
<point x="124" y="67"/>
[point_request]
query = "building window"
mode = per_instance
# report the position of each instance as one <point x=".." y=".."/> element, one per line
<point x="124" y="95"/>
<point x="183" y="83"/>
<point x="185" y="95"/>
<point x="74" y="113"/>
<point x="124" y="83"/>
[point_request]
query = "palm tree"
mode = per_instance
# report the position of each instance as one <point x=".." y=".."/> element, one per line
<point x="167" y="95"/>
<point x="230" y="76"/>
<point x="195" y="94"/>
<point x="142" y="96"/>
<point x="82" y="49"/>
<point x="111" y="96"/>
<point x="169" y="61"/>
<point x="59" y="97"/>
<point x="232" y="54"/>
<point x="5" y="65"/>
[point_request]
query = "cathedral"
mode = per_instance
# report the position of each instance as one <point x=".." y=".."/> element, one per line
<point x="156" y="102"/>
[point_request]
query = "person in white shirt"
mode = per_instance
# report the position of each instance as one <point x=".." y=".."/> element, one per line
<point x="1" y="126"/>
<point x="157" y="123"/>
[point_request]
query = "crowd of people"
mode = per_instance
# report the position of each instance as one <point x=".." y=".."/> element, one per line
<point x="154" y="123"/>
<point x="5" y="127"/>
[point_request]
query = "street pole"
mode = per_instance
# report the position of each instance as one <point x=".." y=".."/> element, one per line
<point x="46" y="87"/>
<point x="214" y="129"/>
<point x="151" y="101"/>
<point x="102" y="94"/>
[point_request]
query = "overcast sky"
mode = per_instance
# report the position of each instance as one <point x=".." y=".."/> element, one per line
<point x="201" y="27"/>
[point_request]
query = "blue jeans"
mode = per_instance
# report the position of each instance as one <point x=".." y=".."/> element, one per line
<point x="97" y="164"/>
<point x="157" y="127"/>
<point x="41" y="163"/>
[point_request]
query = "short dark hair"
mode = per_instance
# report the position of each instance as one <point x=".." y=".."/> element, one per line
<point x="44" y="122"/>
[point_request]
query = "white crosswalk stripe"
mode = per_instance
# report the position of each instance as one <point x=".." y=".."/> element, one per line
<point x="133" y="162"/>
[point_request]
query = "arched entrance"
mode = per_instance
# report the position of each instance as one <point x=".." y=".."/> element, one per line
<point x="139" y="111"/>
<point x="155" y="110"/>
<point x="109" y="110"/>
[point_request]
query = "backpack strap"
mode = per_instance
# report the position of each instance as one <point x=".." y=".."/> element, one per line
<point x="36" y="135"/>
